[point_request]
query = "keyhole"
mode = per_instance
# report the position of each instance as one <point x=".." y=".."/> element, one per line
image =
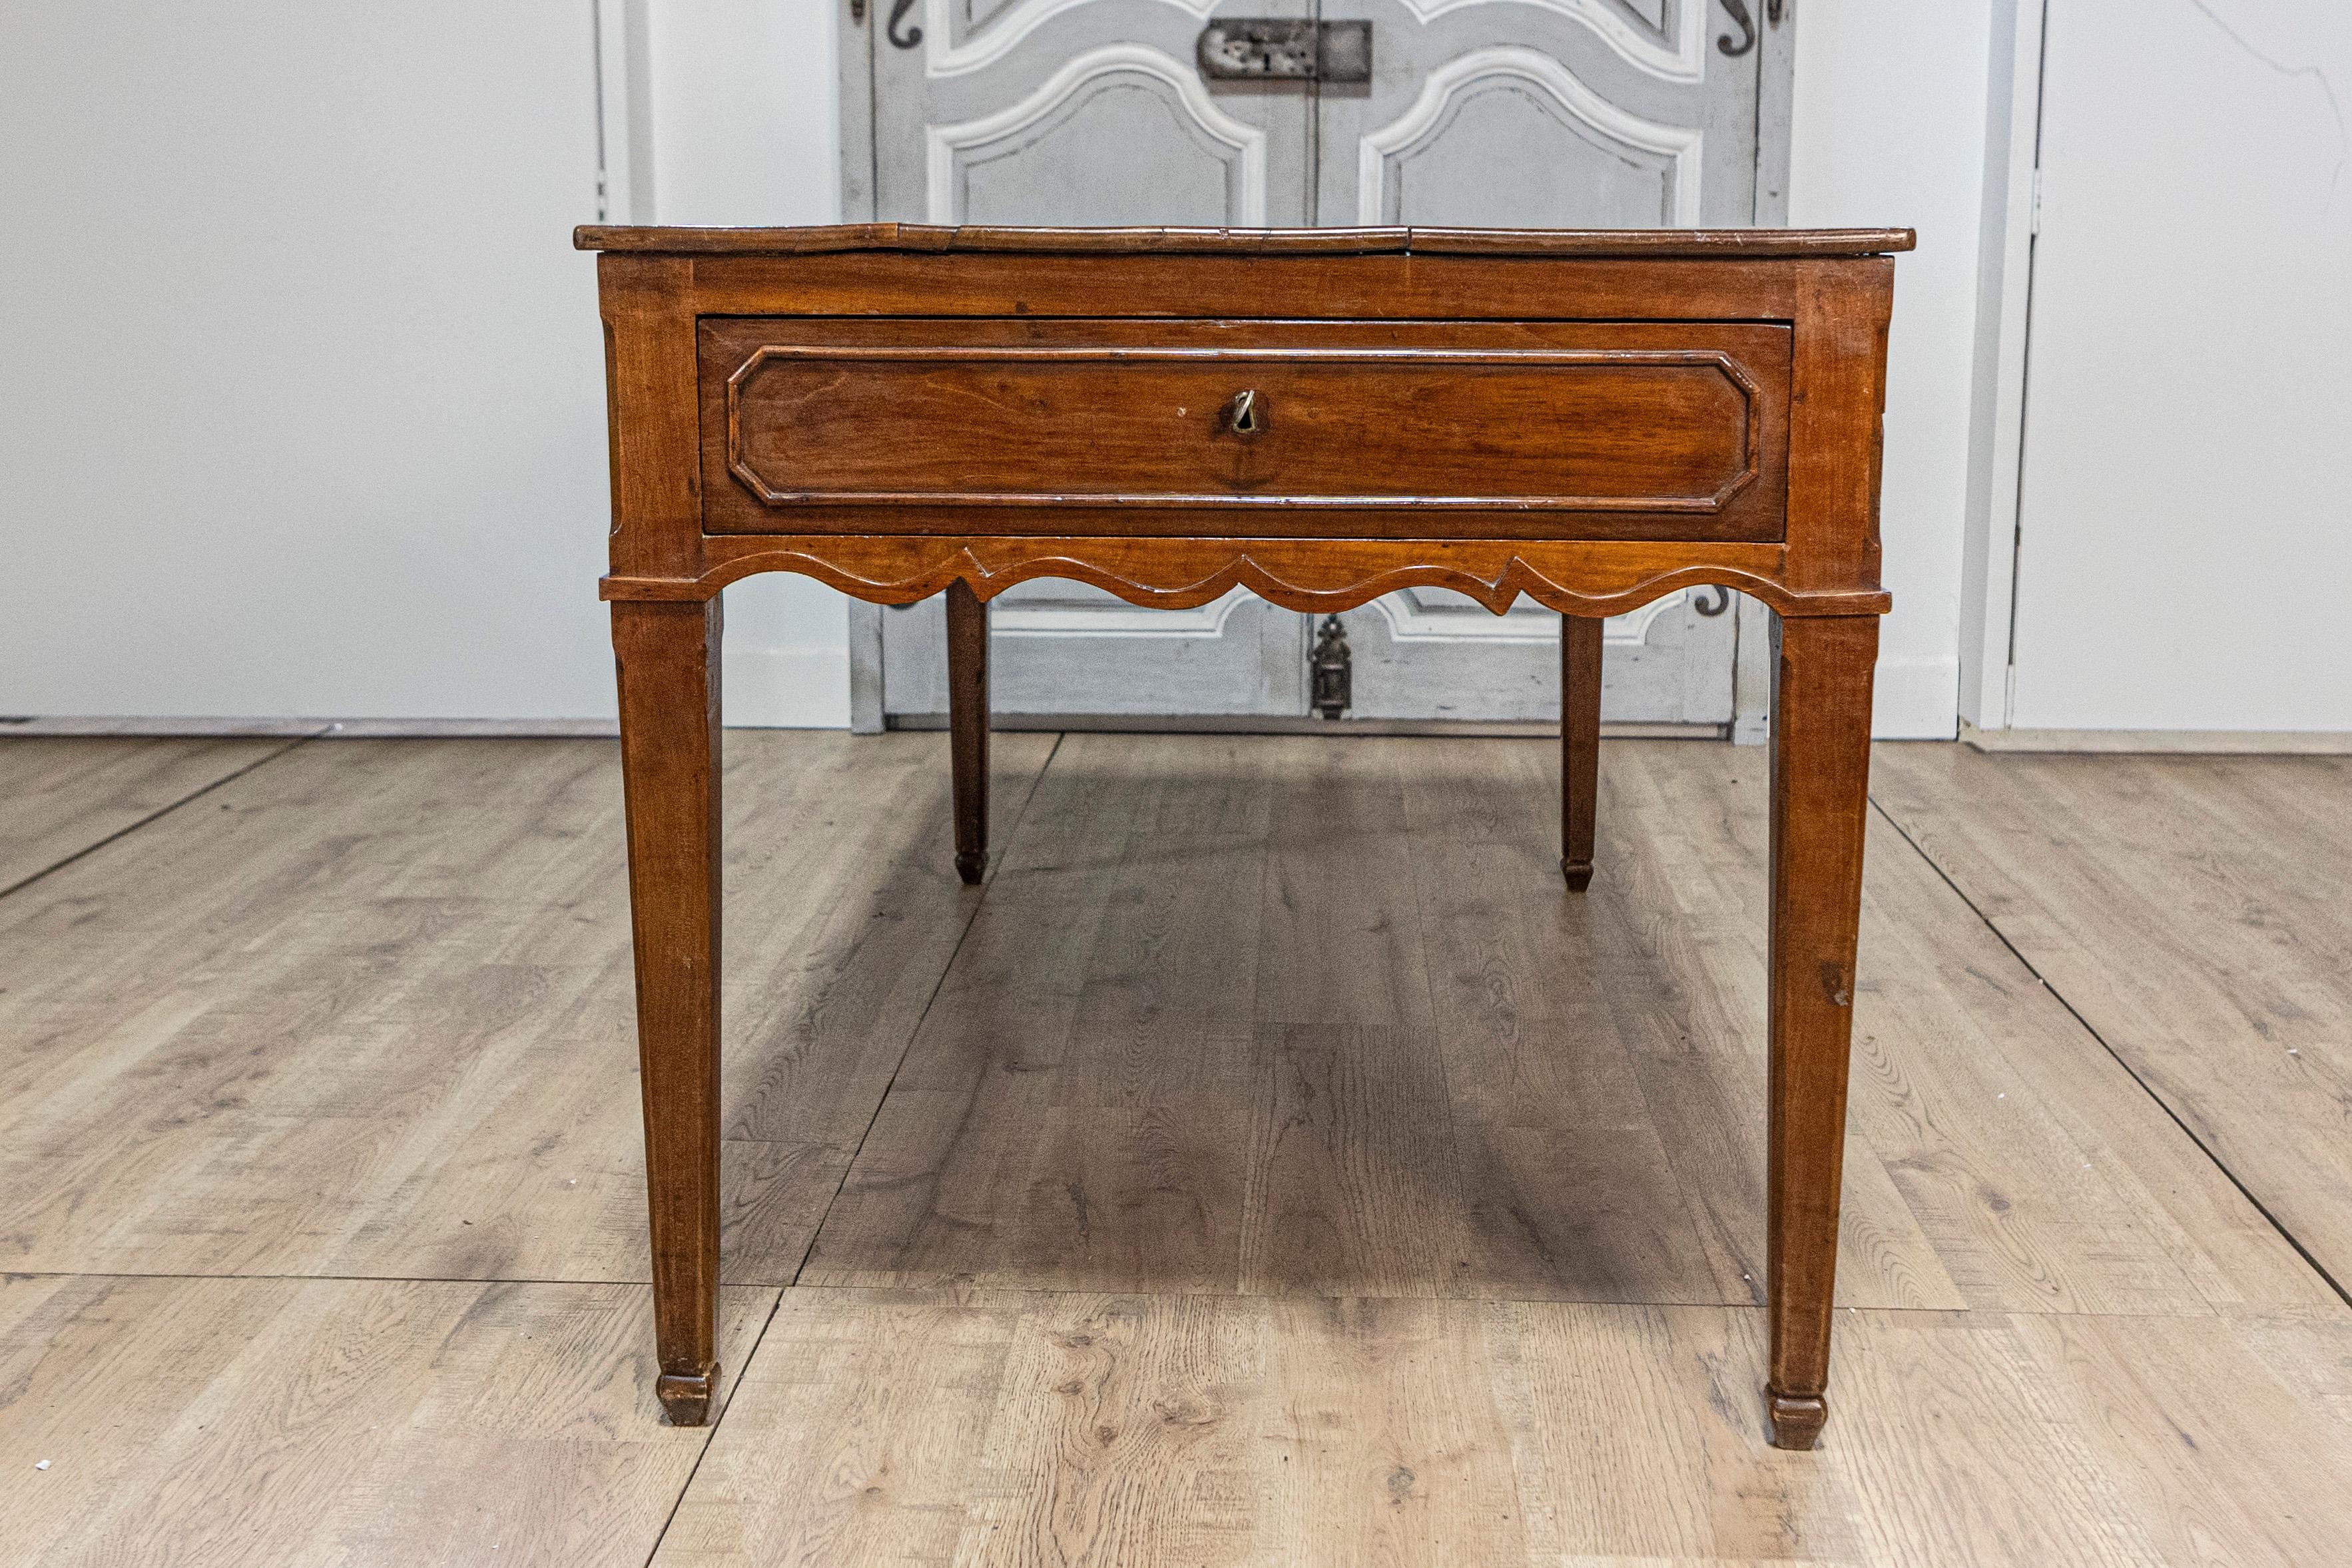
<point x="1242" y="415"/>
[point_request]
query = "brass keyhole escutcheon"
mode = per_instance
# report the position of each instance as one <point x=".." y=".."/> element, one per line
<point x="1244" y="413"/>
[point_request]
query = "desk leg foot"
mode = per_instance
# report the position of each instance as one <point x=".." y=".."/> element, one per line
<point x="1797" y="1420"/>
<point x="1580" y="745"/>
<point x="668" y="654"/>
<point x="968" y="726"/>
<point x="1820" y="784"/>
<point x="685" y="1396"/>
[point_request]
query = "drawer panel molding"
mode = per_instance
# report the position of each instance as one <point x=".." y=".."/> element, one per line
<point x="1592" y="430"/>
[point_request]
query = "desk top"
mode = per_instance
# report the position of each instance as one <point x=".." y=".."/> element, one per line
<point x="1663" y="244"/>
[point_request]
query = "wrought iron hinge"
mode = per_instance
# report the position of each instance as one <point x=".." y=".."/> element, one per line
<point x="1331" y="680"/>
<point x="1747" y="24"/>
<point x="898" y="9"/>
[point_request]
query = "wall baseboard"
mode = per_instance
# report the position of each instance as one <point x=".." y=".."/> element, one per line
<point x="1277" y="724"/>
<point x="340" y="729"/>
<point x="2165" y="742"/>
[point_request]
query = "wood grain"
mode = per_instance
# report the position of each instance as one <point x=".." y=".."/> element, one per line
<point x="668" y="665"/>
<point x="1480" y="430"/>
<point x="336" y="1422"/>
<point x="1304" y="285"/>
<point x="2193" y="910"/>
<point x="968" y="726"/>
<point x="987" y="1427"/>
<point x="820" y="239"/>
<point x="1581" y="655"/>
<point x="1288" y="1015"/>
<point x="66" y="793"/>
<point x="383" y="992"/>
<point x="1820" y="808"/>
<point x="381" y="1024"/>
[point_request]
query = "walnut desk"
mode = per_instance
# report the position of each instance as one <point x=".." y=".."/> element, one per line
<point x="1591" y="419"/>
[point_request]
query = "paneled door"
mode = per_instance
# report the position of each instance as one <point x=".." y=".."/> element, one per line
<point x="1537" y="114"/>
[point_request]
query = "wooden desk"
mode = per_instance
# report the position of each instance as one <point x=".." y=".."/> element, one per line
<point x="1319" y="416"/>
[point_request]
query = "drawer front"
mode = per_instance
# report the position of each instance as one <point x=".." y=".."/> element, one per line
<point x="1433" y="430"/>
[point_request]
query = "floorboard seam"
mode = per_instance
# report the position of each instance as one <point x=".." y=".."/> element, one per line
<point x="909" y="1044"/>
<point x="710" y="1432"/>
<point x="327" y="1279"/>
<point x="87" y="850"/>
<point x="778" y="1304"/>
<point x="2289" y="1237"/>
<point x="1014" y="1287"/>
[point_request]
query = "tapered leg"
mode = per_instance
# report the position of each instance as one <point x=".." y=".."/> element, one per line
<point x="669" y="660"/>
<point x="968" y="725"/>
<point x="1821" y="777"/>
<point x="1580" y="745"/>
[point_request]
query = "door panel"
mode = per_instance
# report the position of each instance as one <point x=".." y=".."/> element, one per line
<point x="1433" y="653"/>
<point x="1120" y="134"/>
<point x="1071" y="648"/>
<point x="1085" y="112"/>
<point x="1553" y="113"/>
<point x="1080" y="112"/>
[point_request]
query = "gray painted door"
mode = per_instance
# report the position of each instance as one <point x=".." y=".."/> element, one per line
<point x="1567" y="113"/>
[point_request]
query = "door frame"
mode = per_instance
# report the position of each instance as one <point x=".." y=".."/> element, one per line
<point x="2005" y="241"/>
<point x="1751" y="678"/>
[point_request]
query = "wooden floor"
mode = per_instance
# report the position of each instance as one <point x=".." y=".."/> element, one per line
<point x="1269" y="1164"/>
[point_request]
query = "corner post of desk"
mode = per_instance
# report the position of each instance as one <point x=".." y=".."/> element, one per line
<point x="1821" y="775"/>
<point x="1821" y="725"/>
<point x="667" y="655"/>
<point x="652" y="413"/>
<point x="667" y="659"/>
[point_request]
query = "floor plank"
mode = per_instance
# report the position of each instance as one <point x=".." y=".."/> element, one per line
<point x="1152" y="1067"/>
<point x="983" y="1427"/>
<point x="2194" y="911"/>
<point x="366" y="1010"/>
<point x="331" y="1423"/>
<point x="1271" y="1164"/>
<point x="64" y="794"/>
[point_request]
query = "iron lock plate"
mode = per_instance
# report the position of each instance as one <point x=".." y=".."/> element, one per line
<point x="1269" y="48"/>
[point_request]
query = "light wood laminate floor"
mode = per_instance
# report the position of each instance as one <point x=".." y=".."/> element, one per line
<point x="1269" y="1164"/>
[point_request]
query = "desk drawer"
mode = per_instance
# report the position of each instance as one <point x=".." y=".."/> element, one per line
<point x="1646" y="429"/>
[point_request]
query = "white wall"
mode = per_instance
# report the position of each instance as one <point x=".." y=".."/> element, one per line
<point x="301" y="404"/>
<point x="744" y="127"/>
<point x="1889" y="128"/>
<point x="2183" y="541"/>
<point x="314" y="514"/>
<point x="299" y="378"/>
